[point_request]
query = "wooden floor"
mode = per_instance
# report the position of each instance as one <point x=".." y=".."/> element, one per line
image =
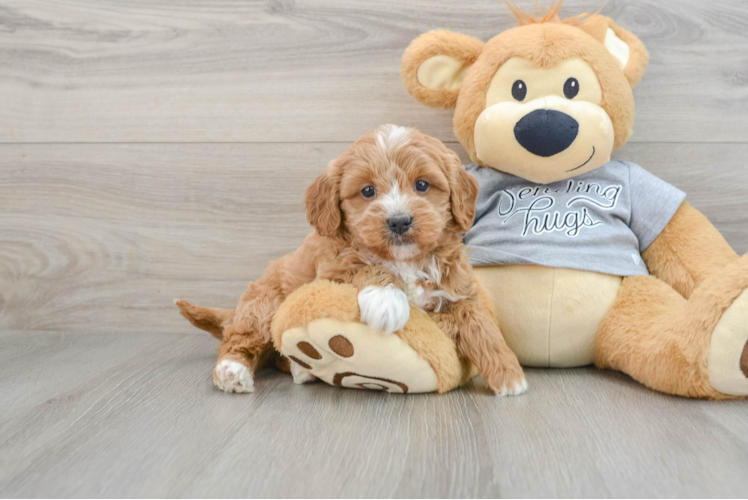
<point x="111" y="415"/>
<point x="153" y="149"/>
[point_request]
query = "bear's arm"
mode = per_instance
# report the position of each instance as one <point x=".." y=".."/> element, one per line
<point x="687" y="251"/>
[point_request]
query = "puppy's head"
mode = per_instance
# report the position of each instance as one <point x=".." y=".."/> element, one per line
<point x="396" y="193"/>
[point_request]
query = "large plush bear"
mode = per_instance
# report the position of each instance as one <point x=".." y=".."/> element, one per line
<point x="587" y="260"/>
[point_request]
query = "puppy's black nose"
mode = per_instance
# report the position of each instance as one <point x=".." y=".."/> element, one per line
<point x="400" y="223"/>
<point x="545" y="132"/>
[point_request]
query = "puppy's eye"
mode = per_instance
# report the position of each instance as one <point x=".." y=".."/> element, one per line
<point x="422" y="186"/>
<point x="519" y="90"/>
<point x="369" y="192"/>
<point x="571" y="88"/>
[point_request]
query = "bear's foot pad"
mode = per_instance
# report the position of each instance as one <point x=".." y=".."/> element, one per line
<point x="350" y="354"/>
<point x="728" y="350"/>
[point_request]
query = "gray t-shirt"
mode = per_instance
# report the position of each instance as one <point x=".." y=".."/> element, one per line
<point x="599" y="221"/>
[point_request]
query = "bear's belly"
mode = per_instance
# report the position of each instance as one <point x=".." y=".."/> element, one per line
<point x="549" y="316"/>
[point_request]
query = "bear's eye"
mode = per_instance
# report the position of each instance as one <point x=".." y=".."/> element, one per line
<point x="519" y="90"/>
<point x="369" y="192"/>
<point x="422" y="186"/>
<point x="571" y="88"/>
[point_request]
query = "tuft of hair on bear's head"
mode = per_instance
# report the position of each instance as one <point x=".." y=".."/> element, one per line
<point x="549" y="16"/>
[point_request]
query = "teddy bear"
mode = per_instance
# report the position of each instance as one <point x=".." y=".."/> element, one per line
<point x="587" y="260"/>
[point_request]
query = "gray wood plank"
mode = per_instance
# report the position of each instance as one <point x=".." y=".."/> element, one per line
<point x="110" y="415"/>
<point x="317" y="70"/>
<point x="99" y="237"/>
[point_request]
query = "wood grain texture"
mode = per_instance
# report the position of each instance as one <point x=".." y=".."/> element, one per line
<point x="317" y="71"/>
<point x="106" y="236"/>
<point x="112" y="415"/>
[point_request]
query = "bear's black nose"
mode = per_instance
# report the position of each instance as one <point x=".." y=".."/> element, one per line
<point x="545" y="132"/>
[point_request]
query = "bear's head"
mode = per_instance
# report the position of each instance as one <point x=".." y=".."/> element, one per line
<point x="544" y="101"/>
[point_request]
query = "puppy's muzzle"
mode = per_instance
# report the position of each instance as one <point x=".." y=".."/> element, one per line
<point x="399" y="224"/>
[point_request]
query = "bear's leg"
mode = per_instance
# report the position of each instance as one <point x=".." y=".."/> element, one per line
<point x="688" y="251"/>
<point x="318" y="328"/>
<point x="694" y="348"/>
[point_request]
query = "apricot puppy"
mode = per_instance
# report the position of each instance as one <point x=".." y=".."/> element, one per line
<point x="389" y="215"/>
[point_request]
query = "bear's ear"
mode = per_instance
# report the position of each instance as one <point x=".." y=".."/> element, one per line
<point x="624" y="45"/>
<point x="434" y="65"/>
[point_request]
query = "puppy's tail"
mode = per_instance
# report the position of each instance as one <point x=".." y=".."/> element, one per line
<point x="210" y="319"/>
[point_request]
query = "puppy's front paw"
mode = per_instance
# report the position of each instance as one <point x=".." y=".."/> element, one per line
<point x="514" y="388"/>
<point x="384" y="308"/>
<point x="232" y="376"/>
<point x="509" y="382"/>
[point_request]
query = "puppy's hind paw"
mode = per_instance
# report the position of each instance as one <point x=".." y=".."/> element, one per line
<point x="232" y="376"/>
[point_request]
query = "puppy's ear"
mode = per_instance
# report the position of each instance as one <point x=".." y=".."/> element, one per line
<point x="626" y="47"/>
<point x="434" y="65"/>
<point x="464" y="193"/>
<point x="322" y="200"/>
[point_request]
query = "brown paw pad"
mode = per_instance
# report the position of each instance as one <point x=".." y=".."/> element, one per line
<point x="366" y="382"/>
<point x="309" y="350"/>
<point x="341" y="346"/>
<point x="744" y="360"/>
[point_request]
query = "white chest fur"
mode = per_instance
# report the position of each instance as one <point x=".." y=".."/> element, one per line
<point x="415" y="276"/>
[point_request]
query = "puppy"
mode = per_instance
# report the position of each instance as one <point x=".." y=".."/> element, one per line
<point x="389" y="215"/>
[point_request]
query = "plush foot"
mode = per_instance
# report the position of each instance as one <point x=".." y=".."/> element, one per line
<point x="351" y="354"/>
<point x="301" y="375"/>
<point x="232" y="376"/>
<point x="728" y="350"/>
